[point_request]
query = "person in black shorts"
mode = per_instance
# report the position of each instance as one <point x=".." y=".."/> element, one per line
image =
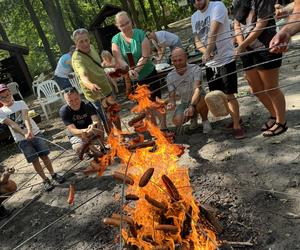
<point x="211" y="28"/>
<point x="261" y="66"/>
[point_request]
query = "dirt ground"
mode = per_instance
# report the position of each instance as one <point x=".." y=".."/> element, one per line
<point x="252" y="183"/>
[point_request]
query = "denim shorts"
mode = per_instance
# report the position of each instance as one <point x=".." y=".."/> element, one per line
<point x="63" y="83"/>
<point x="34" y="148"/>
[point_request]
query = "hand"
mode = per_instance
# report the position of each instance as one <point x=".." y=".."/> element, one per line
<point x="9" y="171"/>
<point x="94" y="87"/>
<point x="280" y="41"/>
<point x="280" y="11"/>
<point x="29" y="135"/>
<point x="171" y="106"/>
<point x="207" y="56"/>
<point x="239" y="50"/>
<point x="133" y="74"/>
<point x="189" y="112"/>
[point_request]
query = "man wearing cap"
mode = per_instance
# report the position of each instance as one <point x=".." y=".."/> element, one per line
<point x="27" y="135"/>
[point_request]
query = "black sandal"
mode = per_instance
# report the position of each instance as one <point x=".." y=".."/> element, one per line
<point x="268" y="125"/>
<point x="281" y="128"/>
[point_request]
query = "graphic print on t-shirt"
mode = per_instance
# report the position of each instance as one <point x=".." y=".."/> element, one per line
<point x="202" y="29"/>
<point x="17" y="118"/>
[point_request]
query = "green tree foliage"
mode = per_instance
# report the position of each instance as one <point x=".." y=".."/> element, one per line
<point x="20" y="29"/>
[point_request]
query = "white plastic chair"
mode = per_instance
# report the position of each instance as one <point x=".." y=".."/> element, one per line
<point x="48" y="92"/>
<point x="74" y="80"/>
<point x="14" y="89"/>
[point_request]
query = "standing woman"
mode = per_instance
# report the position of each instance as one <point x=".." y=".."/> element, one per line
<point x="135" y="41"/>
<point x="255" y="27"/>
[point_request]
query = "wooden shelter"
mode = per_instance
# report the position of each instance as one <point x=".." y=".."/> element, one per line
<point x="14" y="68"/>
<point x="103" y="30"/>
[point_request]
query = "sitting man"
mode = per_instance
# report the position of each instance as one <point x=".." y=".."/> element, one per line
<point x="7" y="187"/>
<point x="81" y="120"/>
<point x="185" y="81"/>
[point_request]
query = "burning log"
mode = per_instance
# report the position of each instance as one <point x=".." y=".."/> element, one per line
<point x="146" y="177"/>
<point x="167" y="228"/>
<point x="171" y="188"/>
<point x="137" y="119"/>
<point x="131" y="197"/>
<point x="120" y="176"/>
<point x="208" y="213"/>
<point x="141" y="145"/>
<point x="154" y="202"/>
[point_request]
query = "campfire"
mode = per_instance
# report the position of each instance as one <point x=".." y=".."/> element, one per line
<point x="159" y="211"/>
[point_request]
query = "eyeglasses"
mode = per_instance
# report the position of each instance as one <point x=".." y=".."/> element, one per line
<point x="79" y="31"/>
<point x="70" y="90"/>
<point x="4" y="97"/>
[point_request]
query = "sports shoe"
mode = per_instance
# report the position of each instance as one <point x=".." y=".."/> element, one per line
<point x="58" y="178"/>
<point x="4" y="213"/>
<point x="48" y="186"/>
<point x="194" y="123"/>
<point x="206" y="127"/>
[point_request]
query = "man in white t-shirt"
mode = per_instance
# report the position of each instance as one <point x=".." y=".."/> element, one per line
<point x="211" y="28"/>
<point x="164" y="39"/>
<point x="185" y="81"/>
<point x="27" y="135"/>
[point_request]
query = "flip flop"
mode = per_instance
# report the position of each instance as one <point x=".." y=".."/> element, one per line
<point x="281" y="128"/>
<point x="268" y="125"/>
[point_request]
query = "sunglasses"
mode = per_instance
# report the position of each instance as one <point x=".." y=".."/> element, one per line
<point x="70" y="90"/>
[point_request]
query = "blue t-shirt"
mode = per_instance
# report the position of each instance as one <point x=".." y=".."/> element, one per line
<point x="63" y="68"/>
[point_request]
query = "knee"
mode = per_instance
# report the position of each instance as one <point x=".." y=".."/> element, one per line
<point x="11" y="186"/>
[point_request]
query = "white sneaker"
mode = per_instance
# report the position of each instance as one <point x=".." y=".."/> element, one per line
<point x="194" y="123"/>
<point x="206" y="127"/>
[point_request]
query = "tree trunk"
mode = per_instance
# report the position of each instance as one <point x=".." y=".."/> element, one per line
<point x="77" y="15"/>
<point x="155" y="16"/>
<point x="3" y="33"/>
<point x="164" y="19"/>
<point x="125" y="6"/>
<point x="144" y="10"/>
<point x="134" y="14"/>
<point x="41" y="33"/>
<point x="55" y="15"/>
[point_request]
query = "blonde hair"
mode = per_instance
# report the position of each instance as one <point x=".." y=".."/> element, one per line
<point x="121" y="14"/>
<point x="106" y="54"/>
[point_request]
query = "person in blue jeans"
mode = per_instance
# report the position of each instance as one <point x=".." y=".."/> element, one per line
<point x="63" y="69"/>
<point x="27" y="135"/>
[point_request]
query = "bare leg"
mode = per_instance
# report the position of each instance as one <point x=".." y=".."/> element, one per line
<point x="256" y="84"/>
<point x="47" y="163"/>
<point x="270" y="80"/>
<point x="38" y="168"/>
<point x="202" y="109"/>
<point x="234" y="111"/>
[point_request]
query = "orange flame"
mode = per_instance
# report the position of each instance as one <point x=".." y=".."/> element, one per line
<point x="146" y="217"/>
